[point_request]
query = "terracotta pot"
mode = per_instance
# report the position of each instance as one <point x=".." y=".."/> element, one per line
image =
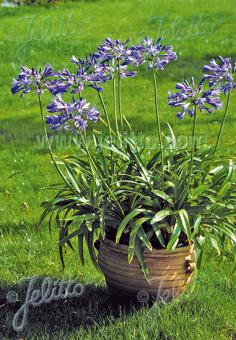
<point x="169" y="272"/>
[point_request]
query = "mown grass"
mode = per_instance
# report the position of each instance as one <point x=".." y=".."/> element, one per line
<point x="198" y="31"/>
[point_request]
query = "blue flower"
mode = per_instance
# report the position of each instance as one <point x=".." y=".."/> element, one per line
<point x="80" y="124"/>
<point x="31" y="79"/>
<point x="72" y="116"/>
<point x="155" y="54"/>
<point x="90" y="73"/>
<point x="112" y="49"/>
<point x="115" y="56"/>
<point x="221" y="75"/>
<point x="57" y="122"/>
<point x="190" y="96"/>
<point x="158" y="55"/>
<point x="93" y="114"/>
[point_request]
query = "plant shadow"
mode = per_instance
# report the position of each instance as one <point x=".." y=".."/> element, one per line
<point x="95" y="307"/>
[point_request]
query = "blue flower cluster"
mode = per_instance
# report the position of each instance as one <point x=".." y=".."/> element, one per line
<point x="112" y="59"/>
<point x="221" y="75"/>
<point x="72" y="116"/>
<point x="31" y="79"/>
<point x="190" y="97"/>
<point x="220" y="78"/>
<point x="156" y="55"/>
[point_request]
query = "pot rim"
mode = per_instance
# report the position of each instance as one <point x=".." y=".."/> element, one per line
<point x="123" y="248"/>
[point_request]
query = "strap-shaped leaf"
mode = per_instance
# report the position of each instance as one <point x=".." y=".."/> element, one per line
<point x="68" y="242"/>
<point x="81" y="248"/>
<point x="185" y="222"/>
<point x="157" y="229"/>
<point x="139" y="252"/>
<point x="132" y="237"/>
<point x="116" y="150"/>
<point x="195" y="192"/>
<point x="153" y="161"/>
<point x="102" y="221"/>
<point x="173" y="138"/>
<point x="223" y="191"/>
<point x="196" y="225"/>
<point x="61" y="236"/>
<point x="173" y="242"/>
<point x="82" y="217"/>
<point x="137" y="159"/>
<point x="72" y="178"/>
<point x="90" y="245"/>
<point x="163" y="195"/>
<point x="161" y="215"/>
<point x="126" y="220"/>
<point x="215" y="244"/>
<point x="79" y="231"/>
<point x="143" y="237"/>
<point x="199" y="245"/>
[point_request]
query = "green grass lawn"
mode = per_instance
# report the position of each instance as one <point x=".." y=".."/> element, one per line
<point x="198" y="30"/>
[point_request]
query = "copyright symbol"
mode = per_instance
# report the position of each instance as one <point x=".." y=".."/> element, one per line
<point x="12" y="296"/>
<point x="143" y="296"/>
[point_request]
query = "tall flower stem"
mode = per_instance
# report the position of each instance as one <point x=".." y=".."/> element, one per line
<point x="158" y="118"/>
<point x="119" y="96"/>
<point x="107" y="116"/>
<point x="48" y="142"/>
<point x="193" y="146"/>
<point x="219" y="135"/>
<point x="114" y="99"/>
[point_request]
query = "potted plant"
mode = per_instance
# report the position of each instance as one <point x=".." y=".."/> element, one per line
<point x="144" y="216"/>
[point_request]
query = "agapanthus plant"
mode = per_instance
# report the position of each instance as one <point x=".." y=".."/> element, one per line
<point x="118" y="191"/>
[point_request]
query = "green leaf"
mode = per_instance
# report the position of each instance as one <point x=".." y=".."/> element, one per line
<point x="195" y="192"/>
<point x="224" y="190"/>
<point x="199" y="244"/>
<point x="185" y="222"/>
<point x="143" y="237"/>
<point x="139" y="252"/>
<point x="116" y="150"/>
<point x="126" y="220"/>
<point x="81" y="248"/>
<point x="83" y="217"/>
<point x="61" y="236"/>
<point x="132" y="237"/>
<point x="215" y="244"/>
<point x="196" y="226"/>
<point x="90" y="245"/>
<point x="102" y="221"/>
<point x="71" y="176"/>
<point x="163" y="195"/>
<point x="161" y="215"/>
<point x="173" y="242"/>
<point x="157" y="229"/>
<point x="153" y="161"/>
<point x="216" y="170"/>
<point x="173" y="139"/>
<point x="79" y="231"/>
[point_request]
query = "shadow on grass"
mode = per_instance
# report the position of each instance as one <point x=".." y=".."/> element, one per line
<point x="95" y="307"/>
